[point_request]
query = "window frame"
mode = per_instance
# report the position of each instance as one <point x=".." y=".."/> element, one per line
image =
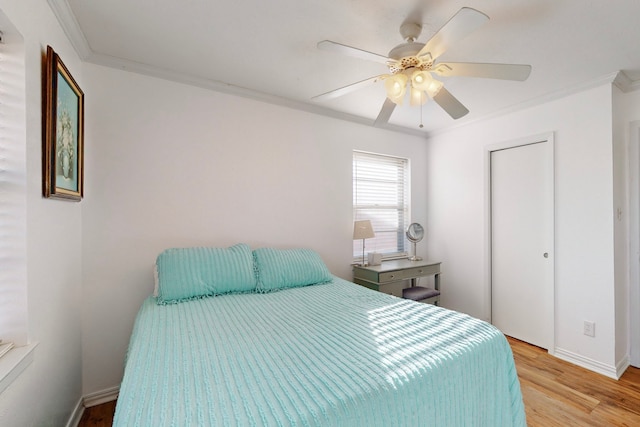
<point x="363" y="209"/>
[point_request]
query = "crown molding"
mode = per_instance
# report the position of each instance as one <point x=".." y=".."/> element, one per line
<point x="222" y="87"/>
<point x="72" y="29"/>
<point x="70" y="26"/>
<point x="625" y="84"/>
<point x="617" y="78"/>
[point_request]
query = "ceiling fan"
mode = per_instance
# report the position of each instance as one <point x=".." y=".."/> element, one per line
<point x="412" y="65"/>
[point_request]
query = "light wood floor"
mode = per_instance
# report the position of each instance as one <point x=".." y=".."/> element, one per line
<point x="100" y="415"/>
<point x="556" y="393"/>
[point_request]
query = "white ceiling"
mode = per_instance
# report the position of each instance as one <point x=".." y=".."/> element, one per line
<point x="267" y="49"/>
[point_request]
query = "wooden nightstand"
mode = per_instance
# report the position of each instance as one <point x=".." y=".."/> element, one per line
<point x="390" y="276"/>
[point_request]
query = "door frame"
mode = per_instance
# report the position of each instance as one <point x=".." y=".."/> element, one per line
<point x="548" y="140"/>
<point x="634" y="243"/>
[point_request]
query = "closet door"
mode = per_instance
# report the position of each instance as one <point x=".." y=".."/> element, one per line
<point x="521" y="226"/>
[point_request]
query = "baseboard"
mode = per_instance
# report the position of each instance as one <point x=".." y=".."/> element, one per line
<point x="76" y="415"/>
<point x="100" y="397"/>
<point x="590" y="364"/>
<point x="622" y="366"/>
<point x="90" y="400"/>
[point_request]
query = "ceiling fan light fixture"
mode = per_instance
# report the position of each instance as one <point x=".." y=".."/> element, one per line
<point x="423" y="80"/>
<point x="418" y="97"/>
<point x="413" y="64"/>
<point x="396" y="87"/>
<point x="434" y="87"/>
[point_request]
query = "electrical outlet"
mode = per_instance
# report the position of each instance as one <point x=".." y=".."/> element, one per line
<point x="589" y="328"/>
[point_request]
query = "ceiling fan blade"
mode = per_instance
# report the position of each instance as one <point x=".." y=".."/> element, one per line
<point x="460" y="25"/>
<point x="345" y="89"/>
<point x="450" y="104"/>
<point x="351" y="51"/>
<point x="385" y="112"/>
<point x="490" y="71"/>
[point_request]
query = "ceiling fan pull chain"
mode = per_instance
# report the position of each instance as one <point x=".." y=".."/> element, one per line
<point x="421" y="104"/>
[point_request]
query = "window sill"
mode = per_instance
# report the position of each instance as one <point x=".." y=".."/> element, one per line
<point x="358" y="261"/>
<point x="14" y="362"/>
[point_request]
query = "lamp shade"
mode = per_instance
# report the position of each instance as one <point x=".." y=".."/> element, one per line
<point x="362" y="230"/>
<point x="418" y="97"/>
<point x="423" y="81"/>
<point x="396" y="86"/>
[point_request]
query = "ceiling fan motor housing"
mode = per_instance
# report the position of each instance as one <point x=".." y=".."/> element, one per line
<point x="405" y="49"/>
<point x="405" y="53"/>
<point x="405" y="58"/>
<point x="410" y="31"/>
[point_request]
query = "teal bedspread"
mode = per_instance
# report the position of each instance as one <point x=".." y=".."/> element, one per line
<point x="333" y="354"/>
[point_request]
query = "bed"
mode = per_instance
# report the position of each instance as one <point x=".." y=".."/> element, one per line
<point x="328" y="353"/>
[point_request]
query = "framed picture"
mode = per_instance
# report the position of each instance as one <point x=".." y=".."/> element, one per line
<point x="63" y="141"/>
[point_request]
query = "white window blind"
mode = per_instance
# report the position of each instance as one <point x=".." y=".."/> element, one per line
<point x="381" y="195"/>
<point x="13" y="289"/>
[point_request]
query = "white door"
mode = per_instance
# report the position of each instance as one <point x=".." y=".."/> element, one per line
<point x="522" y="243"/>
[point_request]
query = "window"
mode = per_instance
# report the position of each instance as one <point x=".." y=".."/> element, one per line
<point x="381" y="195"/>
<point x="13" y="206"/>
<point x="13" y="184"/>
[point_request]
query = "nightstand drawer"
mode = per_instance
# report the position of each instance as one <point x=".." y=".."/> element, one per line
<point x="408" y="273"/>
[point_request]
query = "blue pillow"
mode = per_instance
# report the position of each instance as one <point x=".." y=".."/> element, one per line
<point x="189" y="273"/>
<point x="288" y="268"/>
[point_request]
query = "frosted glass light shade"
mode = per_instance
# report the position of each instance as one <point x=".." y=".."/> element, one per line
<point x="418" y="97"/>
<point x="422" y="80"/>
<point x="434" y="88"/>
<point x="396" y="86"/>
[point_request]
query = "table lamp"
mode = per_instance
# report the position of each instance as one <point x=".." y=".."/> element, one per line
<point x="362" y="230"/>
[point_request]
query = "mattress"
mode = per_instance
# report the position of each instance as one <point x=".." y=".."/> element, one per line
<point x="334" y="354"/>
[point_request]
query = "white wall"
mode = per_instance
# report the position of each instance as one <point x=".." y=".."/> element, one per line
<point x="171" y="165"/>
<point x="584" y="217"/>
<point x="50" y="388"/>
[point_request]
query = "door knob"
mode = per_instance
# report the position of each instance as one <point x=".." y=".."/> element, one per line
<point x="546" y="255"/>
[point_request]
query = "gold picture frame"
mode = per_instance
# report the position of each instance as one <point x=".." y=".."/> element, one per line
<point x="63" y="133"/>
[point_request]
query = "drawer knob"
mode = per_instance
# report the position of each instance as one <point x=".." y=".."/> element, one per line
<point x="419" y="271"/>
<point x="391" y="276"/>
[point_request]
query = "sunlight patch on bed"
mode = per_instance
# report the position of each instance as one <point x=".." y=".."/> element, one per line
<point x="408" y="347"/>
